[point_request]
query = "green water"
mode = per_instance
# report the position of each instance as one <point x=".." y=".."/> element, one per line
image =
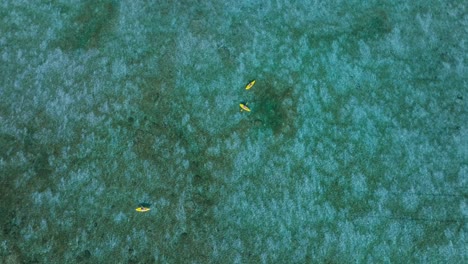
<point x="355" y="149"/>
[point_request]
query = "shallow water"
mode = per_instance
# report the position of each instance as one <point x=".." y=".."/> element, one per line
<point x="355" y="149"/>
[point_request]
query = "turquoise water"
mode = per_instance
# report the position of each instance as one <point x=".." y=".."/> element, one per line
<point x="355" y="149"/>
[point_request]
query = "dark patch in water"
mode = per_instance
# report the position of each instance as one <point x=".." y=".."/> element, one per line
<point x="372" y="24"/>
<point x="89" y="26"/>
<point x="270" y="107"/>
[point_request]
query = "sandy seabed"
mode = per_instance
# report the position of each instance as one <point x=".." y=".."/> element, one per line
<point x="355" y="149"/>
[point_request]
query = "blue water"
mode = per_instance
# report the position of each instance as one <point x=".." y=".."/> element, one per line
<point x="354" y="151"/>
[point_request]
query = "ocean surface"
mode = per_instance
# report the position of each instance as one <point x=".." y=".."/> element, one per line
<point x="355" y="148"/>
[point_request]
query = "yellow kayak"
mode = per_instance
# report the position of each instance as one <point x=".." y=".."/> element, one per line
<point x="143" y="207"/>
<point x="244" y="107"/>
<point x="250" y="85"/>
